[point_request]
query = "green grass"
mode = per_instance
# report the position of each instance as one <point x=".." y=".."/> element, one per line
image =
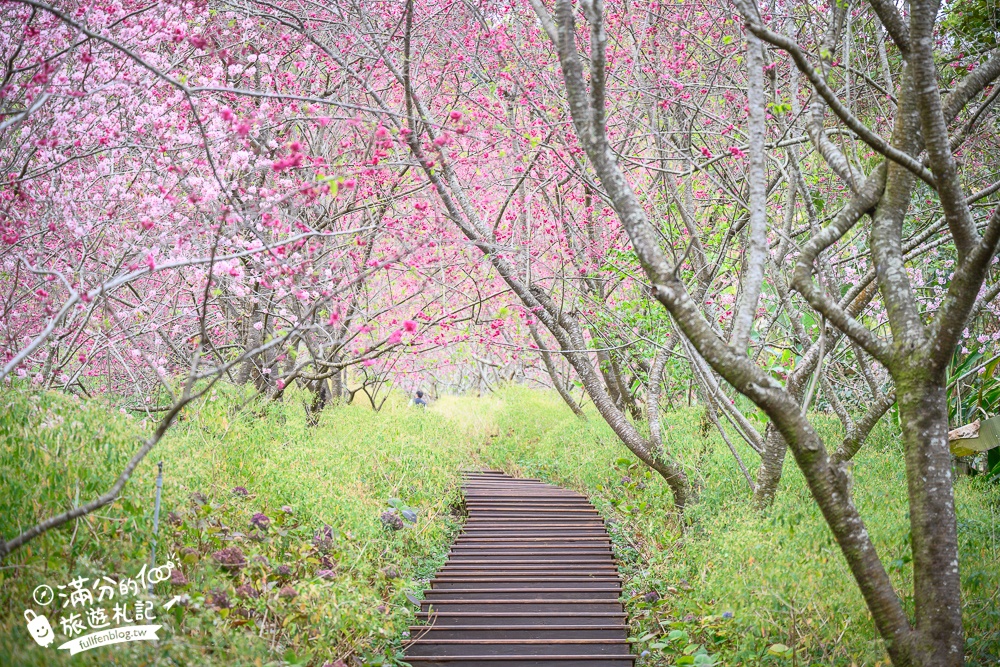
<point x="778" y="575"/>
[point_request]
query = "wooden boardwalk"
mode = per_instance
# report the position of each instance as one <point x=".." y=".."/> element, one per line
<point x="530" y="582"/>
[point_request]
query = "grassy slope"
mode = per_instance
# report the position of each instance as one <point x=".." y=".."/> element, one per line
<point x="779" y="576"/>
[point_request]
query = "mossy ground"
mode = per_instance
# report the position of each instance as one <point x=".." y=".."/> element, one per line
<point x="735" y="587"/>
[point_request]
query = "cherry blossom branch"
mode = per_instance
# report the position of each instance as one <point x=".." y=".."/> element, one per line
<point x="114" y="283"/>
<point x="820" y="85"/>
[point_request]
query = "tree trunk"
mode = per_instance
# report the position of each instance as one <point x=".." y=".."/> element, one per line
<point x="923" y="411"/>
<point x="337" y="385"/>
<point x="320" y="397"/>
<point x="772" y="460"/>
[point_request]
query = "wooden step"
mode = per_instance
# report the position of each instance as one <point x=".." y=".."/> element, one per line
<point x="530" y="582"/>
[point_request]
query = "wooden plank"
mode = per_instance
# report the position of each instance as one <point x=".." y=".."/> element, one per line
<point x="530" y="582"/>
<point x="564" y="631"/>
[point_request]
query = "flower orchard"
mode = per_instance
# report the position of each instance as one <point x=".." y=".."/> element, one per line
<point x="629" y="204"/>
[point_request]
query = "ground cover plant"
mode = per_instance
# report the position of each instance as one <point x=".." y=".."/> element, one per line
<point x="321" y="575"/>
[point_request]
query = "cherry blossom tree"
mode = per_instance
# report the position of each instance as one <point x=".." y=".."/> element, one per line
<point x="916" y="346"/>
<point x="178" y="210"/>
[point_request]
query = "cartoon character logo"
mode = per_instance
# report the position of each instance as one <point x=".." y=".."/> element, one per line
<point x="39" y="628"/>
